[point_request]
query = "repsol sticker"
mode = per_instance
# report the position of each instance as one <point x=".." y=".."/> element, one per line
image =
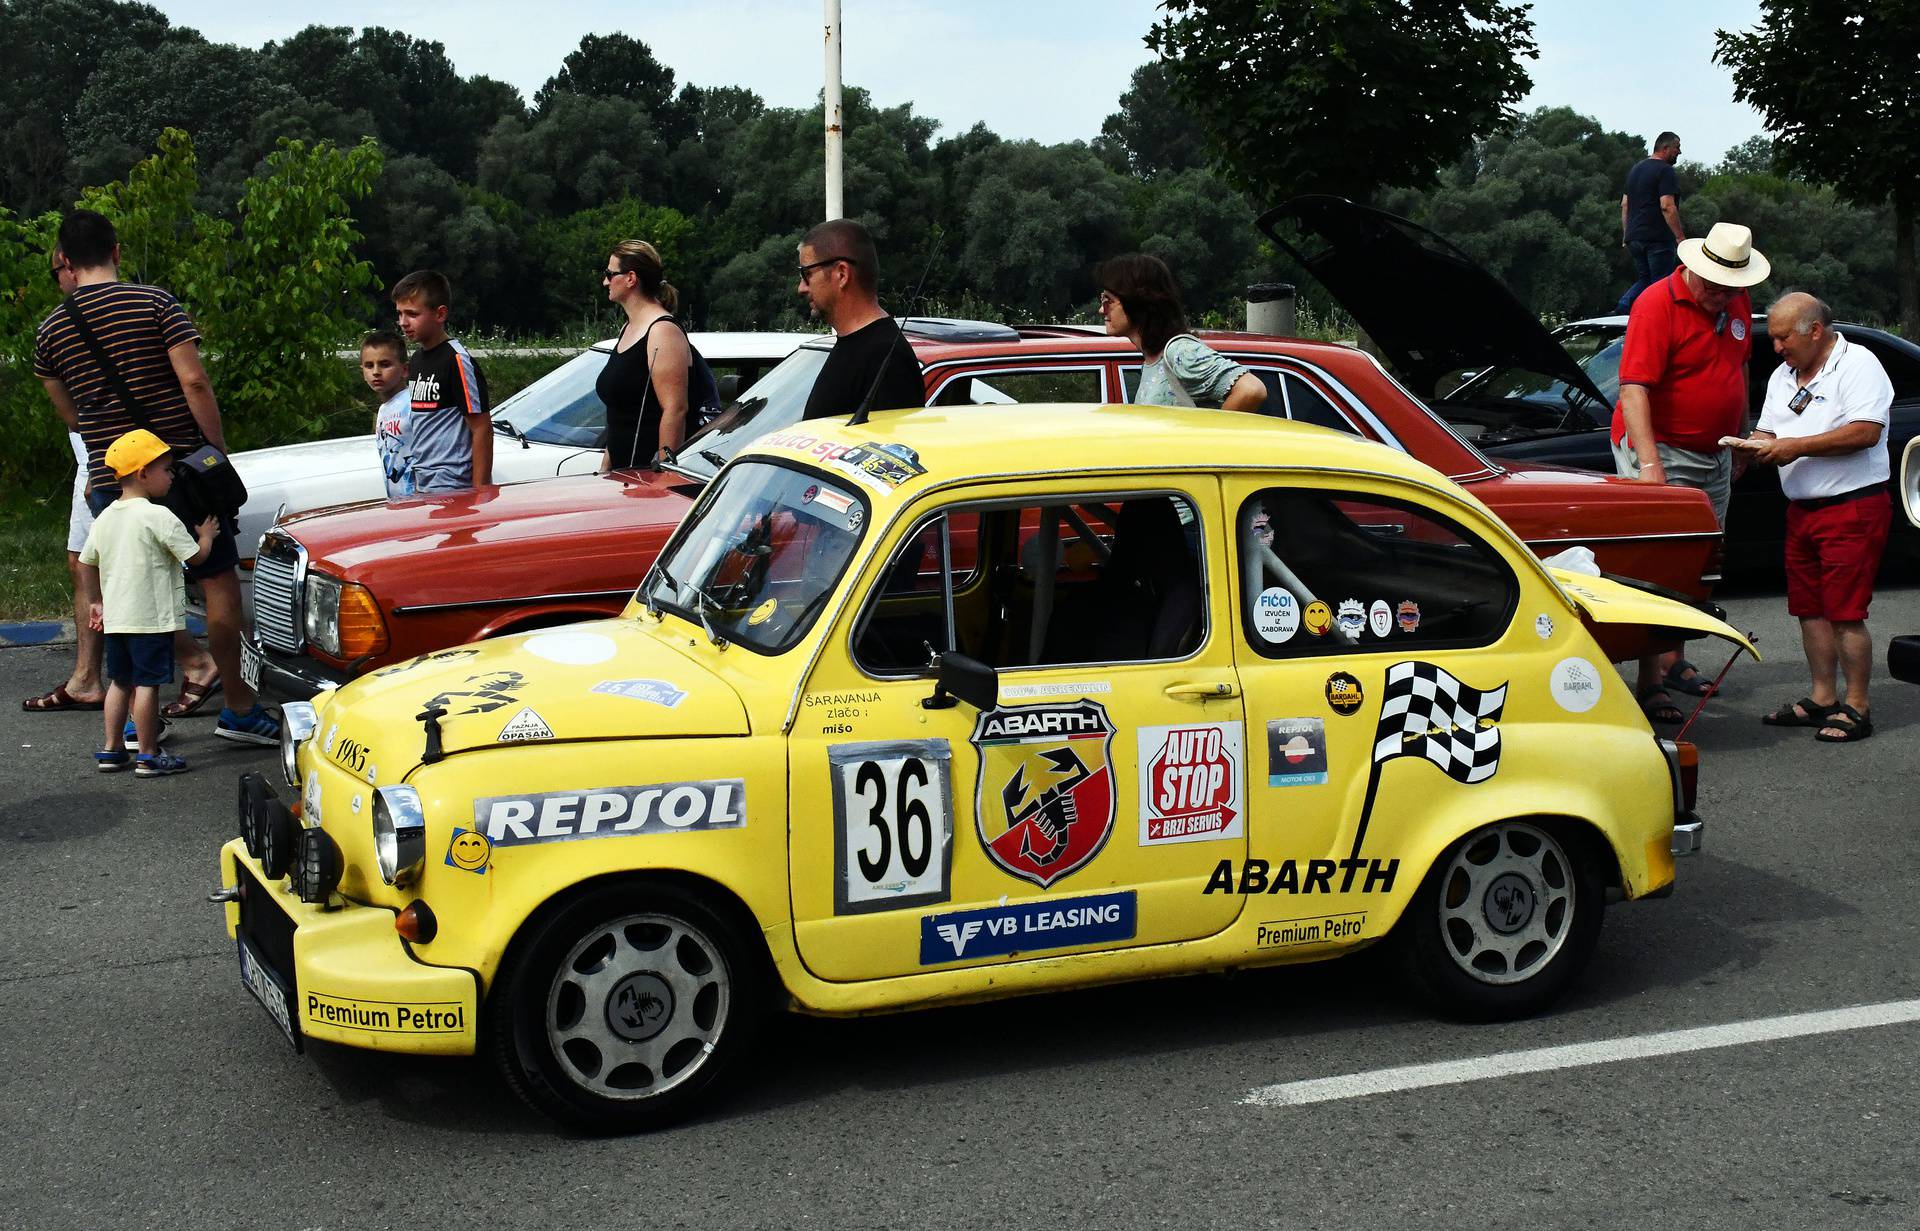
<point x="1305" y="876"/>
<point x="611" y="812"/>
<point x="387" y="1016"/>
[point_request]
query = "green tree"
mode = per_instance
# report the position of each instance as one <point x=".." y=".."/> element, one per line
<point x="1343" y="96"/>
<point x="1203" y="229"/>
<point x="580" y="151"/>
<point x="36" y="440"/>
<point x="619" y="66"/>
<point x="1153" y="133"/>
<point x="1837" y="85"/>
<point x="1038" y="218"/>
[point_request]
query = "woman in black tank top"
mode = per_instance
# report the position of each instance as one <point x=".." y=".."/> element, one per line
<point x="644" y="384"/>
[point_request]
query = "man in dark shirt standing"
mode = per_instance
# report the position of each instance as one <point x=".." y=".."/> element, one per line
<point x="871" y="365"/>
<point x="1650" y="218"/>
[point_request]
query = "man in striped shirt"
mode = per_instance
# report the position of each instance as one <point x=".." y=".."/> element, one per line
<point x="155" y="349"/>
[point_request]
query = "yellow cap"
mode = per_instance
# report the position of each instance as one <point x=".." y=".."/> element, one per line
<point x="134" y="450"/>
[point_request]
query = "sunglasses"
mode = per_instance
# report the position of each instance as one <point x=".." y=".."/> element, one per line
<point x="806" y="271"/>
<point x="1107" y="300"/>
<point x="57" y="270"/>
<point x="608" y="275"/>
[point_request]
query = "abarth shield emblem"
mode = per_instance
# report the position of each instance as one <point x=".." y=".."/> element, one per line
<point x="1044" y="805"/>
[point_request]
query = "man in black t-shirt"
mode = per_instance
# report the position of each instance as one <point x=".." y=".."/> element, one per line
<point x="1650" y="218"/>
<point x="871" y="365"/>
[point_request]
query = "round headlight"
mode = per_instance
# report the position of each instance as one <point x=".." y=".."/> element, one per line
<point x="399" y="833"/>
<point x="298" y="721"/>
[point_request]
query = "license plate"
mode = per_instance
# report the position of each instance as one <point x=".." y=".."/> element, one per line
<point x="249" y="663"/>
<point x="268" y="988"/>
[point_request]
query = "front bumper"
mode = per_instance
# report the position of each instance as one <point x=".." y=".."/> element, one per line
<point x="1688" y="834"/>
<point x="343" y="974"/>
<point x="292" y="677"/>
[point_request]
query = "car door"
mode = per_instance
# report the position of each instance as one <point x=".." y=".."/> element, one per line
<point x="1358" y="608"/>
<point x="1086" y="808"/>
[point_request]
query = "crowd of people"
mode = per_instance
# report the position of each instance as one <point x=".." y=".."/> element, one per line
<point x="121" y="366"/>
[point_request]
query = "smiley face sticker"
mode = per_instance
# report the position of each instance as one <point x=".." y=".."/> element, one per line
<point x="764" y="612"/>
<point x="1317" y="618"/>
<point x="469" y="851"/>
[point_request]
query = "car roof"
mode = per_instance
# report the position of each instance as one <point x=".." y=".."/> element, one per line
<point x="1075" y="341"/>
<point x="1042" y="438"/>
<point x="726" y="347"/>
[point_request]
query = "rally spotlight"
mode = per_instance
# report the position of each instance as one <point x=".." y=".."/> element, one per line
<point x="277" y="832"/>
<point x="254" y="795"/>
<point x="316" y="866"/>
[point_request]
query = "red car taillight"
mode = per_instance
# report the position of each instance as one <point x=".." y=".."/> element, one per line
<point x="1683" y="761"/>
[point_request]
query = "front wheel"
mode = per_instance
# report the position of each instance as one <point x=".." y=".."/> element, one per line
<point x="625" y="1008"/>
<point x="1504" y="921"/>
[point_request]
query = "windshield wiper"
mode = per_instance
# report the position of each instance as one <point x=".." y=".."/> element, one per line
<point x="506" y="427"/>
<point x="702" y="601"/>
<point x="712" y="458"/>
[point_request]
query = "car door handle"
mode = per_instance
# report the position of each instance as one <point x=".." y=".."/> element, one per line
<point x="1202" y="692"/>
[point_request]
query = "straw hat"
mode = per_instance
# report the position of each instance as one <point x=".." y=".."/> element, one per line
<point x="1726" y="257"/>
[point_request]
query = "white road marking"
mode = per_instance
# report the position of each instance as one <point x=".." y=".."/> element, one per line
<point x="1577" y="1055"/>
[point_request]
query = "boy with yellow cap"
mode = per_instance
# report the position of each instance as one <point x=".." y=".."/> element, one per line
<point x="134" y="553"/>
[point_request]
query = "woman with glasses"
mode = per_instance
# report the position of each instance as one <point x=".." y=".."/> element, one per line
<point x="1140" y="301"/>
<point x="644" y="384"/>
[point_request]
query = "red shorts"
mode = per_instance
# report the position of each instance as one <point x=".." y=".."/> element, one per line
<point x="1832" y="555"/>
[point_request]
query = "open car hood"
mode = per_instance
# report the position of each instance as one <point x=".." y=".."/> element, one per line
<point x="1432" y="309"/>
<point x="1615" y="613"/>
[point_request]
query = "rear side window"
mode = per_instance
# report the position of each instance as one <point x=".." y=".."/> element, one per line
<point x="1338" y="573"/>
<point x="1033" y="385"/>
<point x="1306" y="404"/>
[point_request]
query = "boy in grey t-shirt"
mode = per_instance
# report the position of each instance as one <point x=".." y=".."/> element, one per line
<point x="449" y="431"/>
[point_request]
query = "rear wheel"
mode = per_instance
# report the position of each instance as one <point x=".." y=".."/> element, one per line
<point x="1505" y="920"/>
<point x="626" y="1008"/>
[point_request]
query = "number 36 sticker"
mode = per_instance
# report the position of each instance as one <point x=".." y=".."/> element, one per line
<point x="892" y="824"/>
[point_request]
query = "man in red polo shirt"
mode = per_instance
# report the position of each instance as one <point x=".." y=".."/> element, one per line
<point x="1683" y="386"/>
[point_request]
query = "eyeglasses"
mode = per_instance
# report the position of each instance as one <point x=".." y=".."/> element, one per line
<point x="1108" y="300"/>
<point x="806" y="271"/>
<point x="608" y="275"/>
<point x="57" y="270"/>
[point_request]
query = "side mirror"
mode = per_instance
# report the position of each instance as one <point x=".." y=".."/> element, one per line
<point x="729" y="387"/>
<point x="965" y="679"/>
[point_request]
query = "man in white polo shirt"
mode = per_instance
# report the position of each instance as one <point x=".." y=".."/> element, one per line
<point x="1825" y="425"/>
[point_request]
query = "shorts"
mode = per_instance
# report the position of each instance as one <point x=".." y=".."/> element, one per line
<point x="1832" y="555"/>
<point x="140" y="660"/>
<point x="222" y="557"/>
<point x="1711" y="473"/>
<point x="80" y="518"/>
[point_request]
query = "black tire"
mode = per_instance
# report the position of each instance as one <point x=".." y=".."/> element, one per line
<point x="625" y="1009"/>
<point x="1504" y="920"/>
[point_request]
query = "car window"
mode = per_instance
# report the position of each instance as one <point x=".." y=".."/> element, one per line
<point x="776" y="400"/>
<point x="1902" y="365"/>
<point x="759" y="555"/>
<point x="561" y="408"/>
<point x="1306" y="404"/>
<point x="1034" y="385"/>
<point x="1331" y="572"/>
<point x="1096" y="580"/>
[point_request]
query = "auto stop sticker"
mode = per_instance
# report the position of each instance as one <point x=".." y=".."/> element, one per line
<point x="1575" y="684"/>
<point x="1296" y="752"/>
<point x="1276" y="615"/>
<point x="1192" y="783"/>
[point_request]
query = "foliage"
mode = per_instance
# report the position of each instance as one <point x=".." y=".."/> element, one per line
<point x="1837" y="86"/>
<point x="1153" y="133"/>
<point x="1344" y="96"/>
<point x="36" y="440"/>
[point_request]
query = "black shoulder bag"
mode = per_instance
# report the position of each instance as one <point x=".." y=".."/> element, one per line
<point x="205" y="483"/>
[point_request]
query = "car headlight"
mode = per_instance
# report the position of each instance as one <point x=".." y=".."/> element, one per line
<point x="298" y="721"/>
<point x="343" y="618"/>
<point x="399" y="833"/>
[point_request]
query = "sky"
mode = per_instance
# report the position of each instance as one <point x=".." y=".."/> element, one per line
<point x="1050" y="70"/>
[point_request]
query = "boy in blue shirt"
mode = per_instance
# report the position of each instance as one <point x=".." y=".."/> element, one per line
<point x="133" y="556"/>
<point x="383" y="365"/>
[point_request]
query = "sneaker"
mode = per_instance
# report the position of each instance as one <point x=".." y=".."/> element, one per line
<point x="158" y="765"/>
<point x="256" y="726"/>
<point x="112" y="762"/>
<point x="132" y="734"/>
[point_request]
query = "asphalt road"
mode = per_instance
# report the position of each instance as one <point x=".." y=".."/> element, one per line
<point x="141" y="1086"/>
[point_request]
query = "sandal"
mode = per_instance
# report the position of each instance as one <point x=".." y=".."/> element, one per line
<point x="192" y="698"/>
<point x="59" y="699"/>
<point x="1850" y="722"/>
<point x="1806" y="712"/>
<point x="1694" y="685"/>
<point x="1662" y="710"/>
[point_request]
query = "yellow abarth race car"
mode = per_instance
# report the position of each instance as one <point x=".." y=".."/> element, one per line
<point x="950" y="705"/>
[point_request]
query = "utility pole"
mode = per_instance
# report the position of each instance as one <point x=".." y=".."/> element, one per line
<point x="831" y="97"/>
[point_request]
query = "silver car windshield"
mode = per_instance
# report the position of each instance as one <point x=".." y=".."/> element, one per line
<point x="755" y="562"/>
<point x="776" y="400"/>
<point x="561" y="408"/>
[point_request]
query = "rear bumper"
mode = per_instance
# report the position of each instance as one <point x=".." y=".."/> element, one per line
<point x="1903" y="658"/>
<point x="343" y="973"/>
<point x="1688" y="834"/>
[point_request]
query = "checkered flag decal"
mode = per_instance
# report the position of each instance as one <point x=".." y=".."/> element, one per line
<point x="1428" y="713"/>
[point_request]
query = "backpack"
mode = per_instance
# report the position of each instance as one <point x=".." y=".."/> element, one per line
<point x="703" y="391"/>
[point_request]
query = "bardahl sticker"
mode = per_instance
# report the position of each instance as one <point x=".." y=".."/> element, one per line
<point x="1192" y="783"/>
<point x="1296" y="752"/>
<point x="659" y="692"/>
<point x="611" y="812"/>
<point x="1576" y="685"/>
<point x="1344" y="693"/>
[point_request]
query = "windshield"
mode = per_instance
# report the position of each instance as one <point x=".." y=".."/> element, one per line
<point x="1502" y="403"/>
<point x="756" y="561"/>
<point x="776" y="400"/>
<point x="561" y="408"/>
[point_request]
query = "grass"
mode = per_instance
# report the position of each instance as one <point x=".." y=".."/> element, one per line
<point x="33" y="560"/>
